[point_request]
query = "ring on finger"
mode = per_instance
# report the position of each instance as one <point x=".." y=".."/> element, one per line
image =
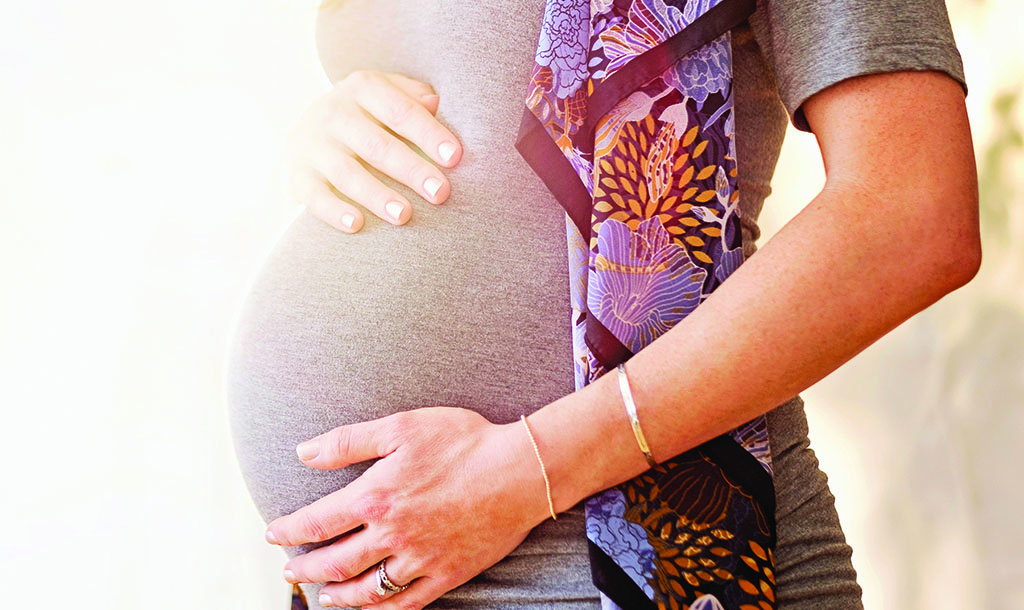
<point x="384" y="584"/>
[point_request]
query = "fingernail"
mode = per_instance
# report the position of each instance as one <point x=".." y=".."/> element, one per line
<point x="348" y="220"/>
<point x="395" y="210"/>
<point x="271" y="538"/>
<point x="431" y="185"/>
<point x="325" y="600"/>
<point x="446" y="150"/>
<point x="289" y="576"/>
<point x="429" y="98"/>
<point x="308" y="450"/>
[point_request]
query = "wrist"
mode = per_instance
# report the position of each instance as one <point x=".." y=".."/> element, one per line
<point x="524" y="473"/>
<point x="587" y="442"/>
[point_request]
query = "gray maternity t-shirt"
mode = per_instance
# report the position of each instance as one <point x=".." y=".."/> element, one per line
<point x="468" y="304"/>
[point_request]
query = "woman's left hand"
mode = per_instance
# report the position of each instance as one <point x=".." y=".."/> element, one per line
<point x="452" y="495"/>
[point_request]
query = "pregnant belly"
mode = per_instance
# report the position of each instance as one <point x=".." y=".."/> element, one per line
<point x="460" y="307"/>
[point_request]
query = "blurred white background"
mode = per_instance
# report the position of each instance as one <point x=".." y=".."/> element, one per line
<point x="140" y="192"/>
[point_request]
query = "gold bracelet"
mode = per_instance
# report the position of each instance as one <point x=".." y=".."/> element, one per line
<point x="627" y="397"/>
<point x="543" y="471"/>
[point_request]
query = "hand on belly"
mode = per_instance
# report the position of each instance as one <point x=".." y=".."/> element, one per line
<point x="450" y="496"/>
<point x="356" y="123"/>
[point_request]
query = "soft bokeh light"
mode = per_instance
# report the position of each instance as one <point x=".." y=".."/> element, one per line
<point x="141" y="191"/>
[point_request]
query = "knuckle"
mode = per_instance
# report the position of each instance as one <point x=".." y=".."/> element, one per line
<point x="356" y="78"/>
<point x="313" y="527"/>
<point x="335" y="571"/>
<point x="373" y="507"/>
<point x="341" y="441"/>
<point x="398" y="424"/>
<point x="375" y="147"/>
<point x="340" y="169"/>
<point x="395" y="542"/>
<point x="400" y="111"/>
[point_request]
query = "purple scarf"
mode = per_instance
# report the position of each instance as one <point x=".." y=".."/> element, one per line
<point x="629" y="122"/>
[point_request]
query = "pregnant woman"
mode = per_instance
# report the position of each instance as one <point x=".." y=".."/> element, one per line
<point x="406" y="347"/>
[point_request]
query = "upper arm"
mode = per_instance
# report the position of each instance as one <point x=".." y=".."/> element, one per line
<point x="903" y="140"/>
<point x="881" y="85"/>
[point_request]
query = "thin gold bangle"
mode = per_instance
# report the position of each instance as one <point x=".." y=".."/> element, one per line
<point x="627" y="397"/>
<point x="543" y="471"/>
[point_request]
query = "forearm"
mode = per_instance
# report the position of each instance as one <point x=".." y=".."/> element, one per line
<point x="831" y="282"/>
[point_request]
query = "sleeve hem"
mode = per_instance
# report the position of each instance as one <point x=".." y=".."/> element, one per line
<point x="869" y="59"/>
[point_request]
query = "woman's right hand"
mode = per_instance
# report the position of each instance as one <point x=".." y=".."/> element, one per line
<point x="349" y="126"/>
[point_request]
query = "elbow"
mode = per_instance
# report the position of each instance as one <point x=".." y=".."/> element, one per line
<point x="956" y="252"/>
<point x="960" y="267"/>
<point x="929" y="230"/>
<point x="971" y="259"/>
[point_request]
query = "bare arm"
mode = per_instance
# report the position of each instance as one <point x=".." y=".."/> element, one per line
<point x="894" y="229"/>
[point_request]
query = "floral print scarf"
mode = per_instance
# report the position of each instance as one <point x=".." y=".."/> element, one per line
<point x="629" y="123"/>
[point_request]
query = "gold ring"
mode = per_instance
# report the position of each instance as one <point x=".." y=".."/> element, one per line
<point x="384" y="584"/>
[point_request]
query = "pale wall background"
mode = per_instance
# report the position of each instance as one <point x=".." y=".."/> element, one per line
<point x="139" y="193"/>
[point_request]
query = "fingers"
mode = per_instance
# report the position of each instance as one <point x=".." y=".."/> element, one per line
<point x="416" y="89"/>
<point x="343" y="560"/>
<point x="362" y="590"/>
<point x="359" y="125"/>
<point x="353" y="443"/>
<point x="400" y="112"/>
<point x="430" y="102"/>
<point x="350" y="178"/>
<point x="422" y="591"/>
<point x="350" y="506"/>
<point x="310" y="188"/>
<point x="328" y="517"/>
<point x="378" y="148"/>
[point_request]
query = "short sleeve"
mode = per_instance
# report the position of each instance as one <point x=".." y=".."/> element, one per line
<point x="811" y="45"/>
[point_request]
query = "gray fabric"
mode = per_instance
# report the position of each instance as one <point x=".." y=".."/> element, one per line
<point x="811" y="45"/>
<point x="468" y="304"/>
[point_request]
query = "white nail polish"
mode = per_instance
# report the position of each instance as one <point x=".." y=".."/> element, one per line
<point x="325" y="600"/>
<point x="394" y="209"/>
<point x="431" y="185"/>
<point x="348" y="220"/>
<point x="446" y="150"/>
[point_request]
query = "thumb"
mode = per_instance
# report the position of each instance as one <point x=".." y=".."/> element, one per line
<point x="351" y="443"/>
